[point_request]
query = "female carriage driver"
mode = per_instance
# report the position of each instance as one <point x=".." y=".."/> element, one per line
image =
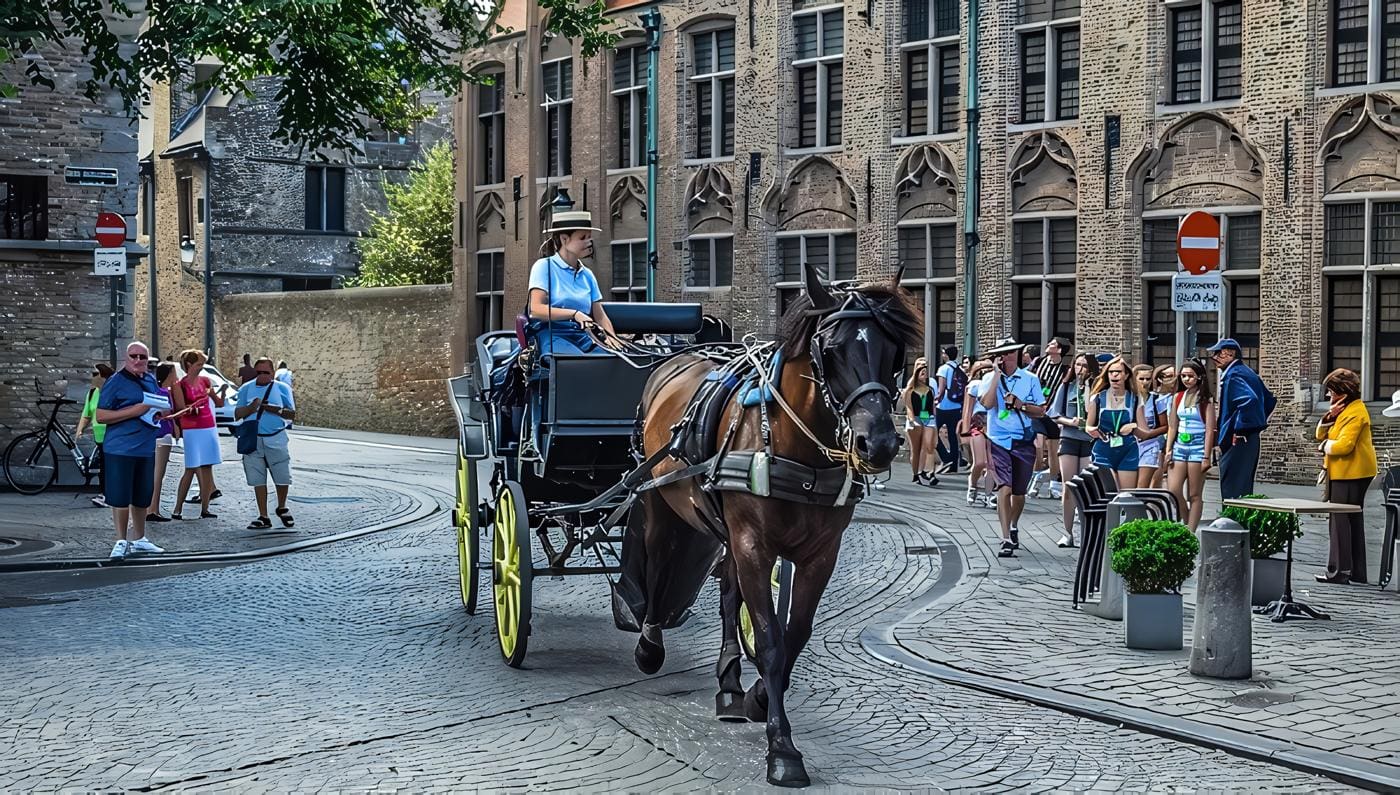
<point x="564" y="293"/>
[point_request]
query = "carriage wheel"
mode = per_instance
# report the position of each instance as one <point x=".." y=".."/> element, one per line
<point x="464" y="518"/>
<point x="782" y="582"/>
<point x="511" y="572"/>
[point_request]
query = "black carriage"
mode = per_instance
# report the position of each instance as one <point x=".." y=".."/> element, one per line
<point x="556" y="462"/>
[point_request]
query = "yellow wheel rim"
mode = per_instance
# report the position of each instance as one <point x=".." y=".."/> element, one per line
<point x="746" y="622"/>
<point x="465" y="559"/>
<point x="505" y="562"/>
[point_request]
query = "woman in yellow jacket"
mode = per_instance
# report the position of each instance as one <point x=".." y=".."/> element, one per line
<point x="1350" y="460"/>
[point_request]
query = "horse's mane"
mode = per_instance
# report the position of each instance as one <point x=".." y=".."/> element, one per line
<point x="895" y="306"/>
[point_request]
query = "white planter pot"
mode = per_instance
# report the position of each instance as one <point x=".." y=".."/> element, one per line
<point x="1152" y="621"/>
<point x="1270" y="577"/>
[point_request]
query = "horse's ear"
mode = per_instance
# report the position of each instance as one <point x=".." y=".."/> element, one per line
<point x="898" y="277"/>
<point x="820" y="296"/>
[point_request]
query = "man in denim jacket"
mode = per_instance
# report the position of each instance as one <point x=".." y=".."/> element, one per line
<point x="1245" y="406"/>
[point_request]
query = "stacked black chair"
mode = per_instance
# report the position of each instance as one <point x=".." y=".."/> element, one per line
<point x="1091" y="501"/>
<point x="1391" y="485"/>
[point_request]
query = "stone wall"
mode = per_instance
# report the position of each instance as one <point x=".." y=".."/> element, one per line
<point x="56" y="327"/>
<point x="364" y="359"/>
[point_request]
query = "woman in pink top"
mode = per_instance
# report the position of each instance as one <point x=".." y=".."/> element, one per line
<point x="197" y="397"/>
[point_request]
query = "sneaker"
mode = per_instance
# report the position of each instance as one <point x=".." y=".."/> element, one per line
<point x="972" y="495"/>
<point x="144" y="545"/>
<point x="99" y="501"/>
<point x="1057" y="490"/>
<point x="928" y="478"/>
<point x="1066" y="542"/>
<point x="1034" y="486"/>
<point x="946" y="468"/>
<point x="1007" y="550"/>
<point x="1015" y="536"/>
<point x="120" y="549"/>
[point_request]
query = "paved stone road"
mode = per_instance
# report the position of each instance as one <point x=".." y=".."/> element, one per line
<point x="1327" y="685"/>
<point x="354" y="667"/>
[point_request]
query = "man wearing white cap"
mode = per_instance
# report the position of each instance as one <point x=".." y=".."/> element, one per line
<point x="1013" y="399"/>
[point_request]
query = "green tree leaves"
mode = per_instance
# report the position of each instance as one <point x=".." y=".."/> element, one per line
<point x="343" y="63"/>
<point x="412" y="242"/>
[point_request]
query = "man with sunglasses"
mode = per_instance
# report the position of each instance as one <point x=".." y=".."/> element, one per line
<point x="269" y="403"/>
<point x="130" y="449"/>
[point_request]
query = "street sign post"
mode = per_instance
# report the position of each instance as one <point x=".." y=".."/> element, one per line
<point x="1197" y="287"/>
<point x="109" y="260"/>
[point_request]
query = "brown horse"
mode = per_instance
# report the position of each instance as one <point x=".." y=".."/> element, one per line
<point x="842" y="350"/>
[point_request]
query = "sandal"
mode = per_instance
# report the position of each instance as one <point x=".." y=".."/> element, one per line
<point x="155" y="517"/>
<point x="208" y="515"/>
<point x="175" y="516"/>
<point x="285" y="514"/>
<point x="260" y="523"/>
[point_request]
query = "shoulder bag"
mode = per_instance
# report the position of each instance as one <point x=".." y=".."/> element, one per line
<point x="247" y="432"/>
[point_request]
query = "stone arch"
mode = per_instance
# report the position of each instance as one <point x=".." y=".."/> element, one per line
<point x="705" y="20"/>
<point x="627" y="208"/>
<point x="1201" y="161"/>
<point x="1361" y="149"/>
<point x="815" y="195"/>
<point x="1044" y="175"/>
<point x="926" y="184"/>
<point x="491" y="222"/>
<point x="709" y="201"/>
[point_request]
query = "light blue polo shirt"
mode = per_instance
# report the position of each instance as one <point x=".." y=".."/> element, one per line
<point x="1016" y="425"/>
<point x="567" y="288"/>
<point x="270" y="426"/>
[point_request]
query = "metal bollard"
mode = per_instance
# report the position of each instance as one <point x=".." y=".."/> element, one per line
<point x="1221" y="645"/>
<point x="1122" y="508"/>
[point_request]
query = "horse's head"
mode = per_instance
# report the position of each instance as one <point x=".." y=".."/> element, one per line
<point x="857" y="349"/>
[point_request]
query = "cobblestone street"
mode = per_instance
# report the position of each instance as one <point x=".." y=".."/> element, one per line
<point x="353" y="666"/>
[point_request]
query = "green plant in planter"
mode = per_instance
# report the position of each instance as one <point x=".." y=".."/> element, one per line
<point x="1269" y="531"/>
<point x="1153" y="556"/>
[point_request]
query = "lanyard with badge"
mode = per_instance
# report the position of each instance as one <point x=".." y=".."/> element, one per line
<point x="1117" y="439"/>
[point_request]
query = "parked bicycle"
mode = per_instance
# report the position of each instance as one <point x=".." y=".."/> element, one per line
<point x="31" y="460"/>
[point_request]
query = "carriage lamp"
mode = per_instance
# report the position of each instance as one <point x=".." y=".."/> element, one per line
<point x="186" y="250"/>
<point x="561" y="200"/>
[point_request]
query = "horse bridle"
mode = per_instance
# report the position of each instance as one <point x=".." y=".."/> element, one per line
<point x="856" y="306"/>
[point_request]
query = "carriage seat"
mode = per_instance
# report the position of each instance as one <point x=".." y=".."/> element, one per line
<point x="492" y="350"/>
<point x="654" y="318"/>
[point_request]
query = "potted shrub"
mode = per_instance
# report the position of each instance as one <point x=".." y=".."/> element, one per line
<point x="1154" y="558"/>
<point x="1269" y="533"/>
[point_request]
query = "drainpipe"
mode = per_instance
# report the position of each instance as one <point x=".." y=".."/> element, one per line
<point x="971" y="196"/>
<point x="208" y="264"/>
<point x="651" y="22"/>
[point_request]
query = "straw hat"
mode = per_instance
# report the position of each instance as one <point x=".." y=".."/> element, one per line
<point x="571" y="221"/>
<point x="1393" y="410"/>
<point x="1004" y="346"/>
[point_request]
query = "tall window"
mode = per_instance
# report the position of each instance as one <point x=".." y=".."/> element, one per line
<point x="931" y="66"/>
<point x="491" y="131"/>
<point x="1361" y="252"/>
<point x="559" y="116"/>
<point x="325" y="198"/>
<point x="928" y="253"/>
<point x="1365" y="41"/>
<point x="1239" y="313"/>
<point x="820" y="43"/>
<point x="629" y="270"/>
<point x="712" y="85"/>
<point x="833" y="254"/>
<point x="184" y="206"/>
<point x="490" y="290"/>
<point x="1206" y="51"/>
<point x="630" y="104"/>
<point x="24" y="207"/>
<point x="711" y="261"/>
<point x="1049" y="42"/>
<point x="1045" y="253"/>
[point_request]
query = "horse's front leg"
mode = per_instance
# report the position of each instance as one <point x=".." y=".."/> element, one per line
<point x="755" y="570"/>
<point x="729" y="701"/>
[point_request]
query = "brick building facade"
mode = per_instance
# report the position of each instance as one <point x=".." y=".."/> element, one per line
<point x="279" y="218"/>
<point x="63" y="159"/>
<point x="839" y="135"/>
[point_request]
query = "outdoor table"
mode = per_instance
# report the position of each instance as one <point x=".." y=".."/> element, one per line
<point x="1286" y="606"/>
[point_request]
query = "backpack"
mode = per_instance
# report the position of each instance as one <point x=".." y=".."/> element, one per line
<point x="957" y="385"/>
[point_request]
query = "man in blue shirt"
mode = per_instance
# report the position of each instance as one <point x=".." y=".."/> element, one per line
<point x="1013" y="399"/>
<point x="1245" y="406"/>
<point x="269" y="403"/>
<point x="130" y="449"/>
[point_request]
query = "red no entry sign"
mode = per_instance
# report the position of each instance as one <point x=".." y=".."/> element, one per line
<point x="1198" y="243"/>
<point x="111" y="230"/>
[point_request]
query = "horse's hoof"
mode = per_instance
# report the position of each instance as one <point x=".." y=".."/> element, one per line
<point x="787" y="771"/>
<point x="650" y="656"/>
<point x="756" y="703"/>
<point x="729" y="707"/>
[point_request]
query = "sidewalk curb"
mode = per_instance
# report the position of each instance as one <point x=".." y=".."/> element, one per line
<point x="423" y="510"/>
<point x="878" y="639"/>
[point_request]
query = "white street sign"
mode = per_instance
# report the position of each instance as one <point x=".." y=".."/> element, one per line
<point x="1196" y="293"/>
<point x="109" y="261"/>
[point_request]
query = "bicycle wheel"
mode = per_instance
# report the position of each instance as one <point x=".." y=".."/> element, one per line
<point x="30" y="463"/>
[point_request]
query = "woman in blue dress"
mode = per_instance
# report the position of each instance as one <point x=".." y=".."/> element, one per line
<point x="564" y="294"/>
